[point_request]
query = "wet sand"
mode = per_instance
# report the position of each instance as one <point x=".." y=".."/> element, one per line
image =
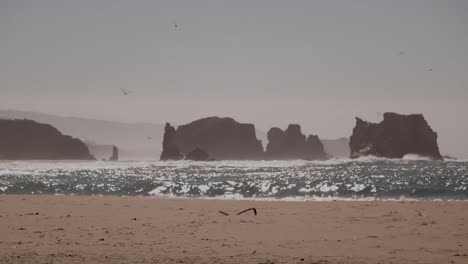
<point x="77" y="229"/>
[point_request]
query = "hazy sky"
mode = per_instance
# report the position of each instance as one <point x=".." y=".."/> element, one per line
<point x="317" y="63"/>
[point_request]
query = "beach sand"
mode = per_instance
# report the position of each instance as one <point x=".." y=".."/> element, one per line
<point x="79" y="229"/>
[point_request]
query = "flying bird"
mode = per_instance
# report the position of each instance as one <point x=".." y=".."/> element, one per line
<point x="149" y="138"/>
<point x="176" y="26"/>
<point x="125" y="92"/>
<point x="429" y="70"/>
<point x="401" y="53"/>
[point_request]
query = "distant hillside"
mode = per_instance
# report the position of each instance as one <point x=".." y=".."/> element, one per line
<point x="22" y="139"/>
<point x="338" y="148"/>
<point x="136" y="141"/>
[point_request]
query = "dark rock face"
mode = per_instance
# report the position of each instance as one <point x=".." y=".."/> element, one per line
<point x="197" y="154"/>
<point x="222" y="138"/>
<point x="115" y="154"/>
<point x="394" y="137"/>
<point x="29" y="140"/>
<point x="292" y="144"/>
<point x="170" y="150"/>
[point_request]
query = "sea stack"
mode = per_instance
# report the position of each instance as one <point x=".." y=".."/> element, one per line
<point x="220" y="138"/>
<point x="29" y="140"/>
<point x="115" y="154"/>
<point x="170" y="150"/>
<point x="292" y="144"/>
<point x="394" y="137"/>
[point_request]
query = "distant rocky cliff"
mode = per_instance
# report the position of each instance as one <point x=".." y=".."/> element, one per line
<point x="226" y="139"/>
<point x="170" y="150"/>
<point x="29" y="140"/>
<point x="394" y="137"/>
<point x="134" y="140"/>
<point x="115" y="154"/>
<point x="292" y="144"/>
<point x="221" y="138"/>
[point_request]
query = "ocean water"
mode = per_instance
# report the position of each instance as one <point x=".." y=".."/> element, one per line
<point x="361" y="179"/>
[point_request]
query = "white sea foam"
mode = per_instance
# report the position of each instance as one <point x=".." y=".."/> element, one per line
<point x="312" y="198"/>
<point x="415" y="157"/>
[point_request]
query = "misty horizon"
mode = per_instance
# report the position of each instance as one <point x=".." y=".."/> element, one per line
<point x="319" y="64"/>
<point x="155" y="130"/>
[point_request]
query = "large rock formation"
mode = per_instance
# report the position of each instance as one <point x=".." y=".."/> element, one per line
<point x="29" y="140"/>
<point x="394" y="137"/>
<point x="170" y="150"/>
<point x="115" y="154"/>
<point x="197" y="154"/>
<point x="292" y="144"/>
<point x="221" y="138"/>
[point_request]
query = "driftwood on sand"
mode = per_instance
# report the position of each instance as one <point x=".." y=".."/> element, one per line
<point x="250" y="209"/>
<point x="223" y="213"/>
<point x="246" y="210"/>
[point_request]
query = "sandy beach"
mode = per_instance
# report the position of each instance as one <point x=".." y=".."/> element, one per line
<point x="79" y="229"/>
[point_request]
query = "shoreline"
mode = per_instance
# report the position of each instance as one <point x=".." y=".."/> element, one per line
<point x="286" y="199"/>
<point x="112" y="229"/>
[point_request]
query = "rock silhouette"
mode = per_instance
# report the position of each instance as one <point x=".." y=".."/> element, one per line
<point x="30" y="140"/>
<point x="394" y="137"/>
<point x="115" y="154"/>
<point x="292" y="144"/>
<point x="170" y="150"/>
<point x="222" y="138"/>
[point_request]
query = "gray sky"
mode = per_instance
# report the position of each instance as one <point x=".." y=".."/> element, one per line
<point x="317" y="63"/>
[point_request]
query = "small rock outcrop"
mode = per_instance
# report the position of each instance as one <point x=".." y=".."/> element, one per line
<point x="292" y="144"/>
<point x="115" y="154"/>
<point x="170" y="150"/>
<point x="394" y="137"/>
<point x="197" y="154"/>
<point x="29" y="140"/>
<point x="222" y="138"/>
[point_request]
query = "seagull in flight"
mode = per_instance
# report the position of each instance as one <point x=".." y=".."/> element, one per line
<point x="149" y="138"/>
<point x="429" y="70"/>
<point x="125" y="92"/>
<point x="401" y="53"/>
<point x="176" y="26"/>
